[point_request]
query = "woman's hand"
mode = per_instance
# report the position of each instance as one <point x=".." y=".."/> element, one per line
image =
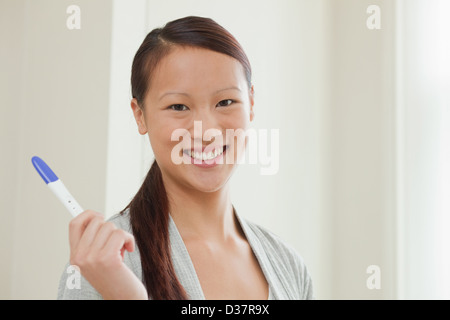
<point x="97" y="248"/>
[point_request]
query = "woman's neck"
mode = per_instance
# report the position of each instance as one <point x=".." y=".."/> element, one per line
<point x="202" y="215"/>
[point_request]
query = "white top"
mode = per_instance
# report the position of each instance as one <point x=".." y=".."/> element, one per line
<point x="282" y="266"/>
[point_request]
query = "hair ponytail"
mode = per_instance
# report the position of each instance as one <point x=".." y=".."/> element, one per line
<point x="149" y="218"/>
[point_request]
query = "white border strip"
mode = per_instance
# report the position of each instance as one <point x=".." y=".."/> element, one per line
<point x="124" y="154"/>
<point x="399" y="153"/>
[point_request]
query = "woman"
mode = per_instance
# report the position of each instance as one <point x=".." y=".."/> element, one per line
<point x="180" y="237"/>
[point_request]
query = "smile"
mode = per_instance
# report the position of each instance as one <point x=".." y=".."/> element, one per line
<point x="203" y="156"/>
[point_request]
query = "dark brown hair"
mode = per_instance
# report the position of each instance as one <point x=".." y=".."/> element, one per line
<point x="149" y="209"/>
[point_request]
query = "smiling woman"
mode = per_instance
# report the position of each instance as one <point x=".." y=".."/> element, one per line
<point x="191" y="242"/>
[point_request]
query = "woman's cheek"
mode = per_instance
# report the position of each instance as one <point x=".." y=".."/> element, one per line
<point x="236" y="130"/>
<point x="160" y="140"/>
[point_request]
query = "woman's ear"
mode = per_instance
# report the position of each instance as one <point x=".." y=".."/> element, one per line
<point x="252" y="102"/>
<point x="139" y="116"/>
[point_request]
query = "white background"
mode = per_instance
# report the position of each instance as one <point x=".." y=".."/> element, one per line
<point x="363" y="117"/>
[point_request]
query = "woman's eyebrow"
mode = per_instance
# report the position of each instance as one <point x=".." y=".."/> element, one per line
<point x="229" y="88"/>
<point x="187" y="95"/>
<point x="173" y="92"/>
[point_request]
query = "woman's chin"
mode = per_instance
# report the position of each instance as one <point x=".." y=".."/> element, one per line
<point x="208" y="182"/>
<point x="208" y="187"/>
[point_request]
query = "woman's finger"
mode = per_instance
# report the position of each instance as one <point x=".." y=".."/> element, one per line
<point x="103" y="235"/>
<point x="118" y="241"/>
<point x="78" y="225"/>
<point x="89" y="234"/>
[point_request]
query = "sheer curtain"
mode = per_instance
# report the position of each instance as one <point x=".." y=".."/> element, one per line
<point x="423" y="146"/>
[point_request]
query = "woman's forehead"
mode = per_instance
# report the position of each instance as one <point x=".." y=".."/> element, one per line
<point x="190" y="69"/>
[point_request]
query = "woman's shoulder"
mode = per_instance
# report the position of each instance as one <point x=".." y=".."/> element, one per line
<point x="122" y="220"/>
<point x="284" y="257"/>
<point x="274" y="243"/>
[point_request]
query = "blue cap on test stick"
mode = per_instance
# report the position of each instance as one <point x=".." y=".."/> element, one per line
<point x="43" y="169"/>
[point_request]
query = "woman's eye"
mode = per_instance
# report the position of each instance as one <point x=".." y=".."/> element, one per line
<point x="225" y="103"/>
<point x="178" y="107"/>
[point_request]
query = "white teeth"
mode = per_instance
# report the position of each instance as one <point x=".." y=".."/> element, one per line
<point x="204" y="155"/>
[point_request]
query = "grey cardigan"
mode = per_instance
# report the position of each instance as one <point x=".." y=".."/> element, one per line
<point x="282" y="266"/>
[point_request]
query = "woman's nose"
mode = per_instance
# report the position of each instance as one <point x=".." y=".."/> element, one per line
<point x="205" y="134"/>
<point x="206" y="125"/>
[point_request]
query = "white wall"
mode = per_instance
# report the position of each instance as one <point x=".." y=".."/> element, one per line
<point x="126" y="148"/>
<point x="424" y="149"/>
<point x="9" y="118"/>
<point x="54" y="103"/>
<point x="361" y="135"/>
<point x="328" y="83"/>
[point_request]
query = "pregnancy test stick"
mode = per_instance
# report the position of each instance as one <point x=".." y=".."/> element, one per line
<point x="56" y="185"/>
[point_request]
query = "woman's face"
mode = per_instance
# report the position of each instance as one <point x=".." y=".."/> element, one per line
<point x="195" y="113"/>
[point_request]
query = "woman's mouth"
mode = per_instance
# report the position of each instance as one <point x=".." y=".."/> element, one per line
<point x="206" y="158"/>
